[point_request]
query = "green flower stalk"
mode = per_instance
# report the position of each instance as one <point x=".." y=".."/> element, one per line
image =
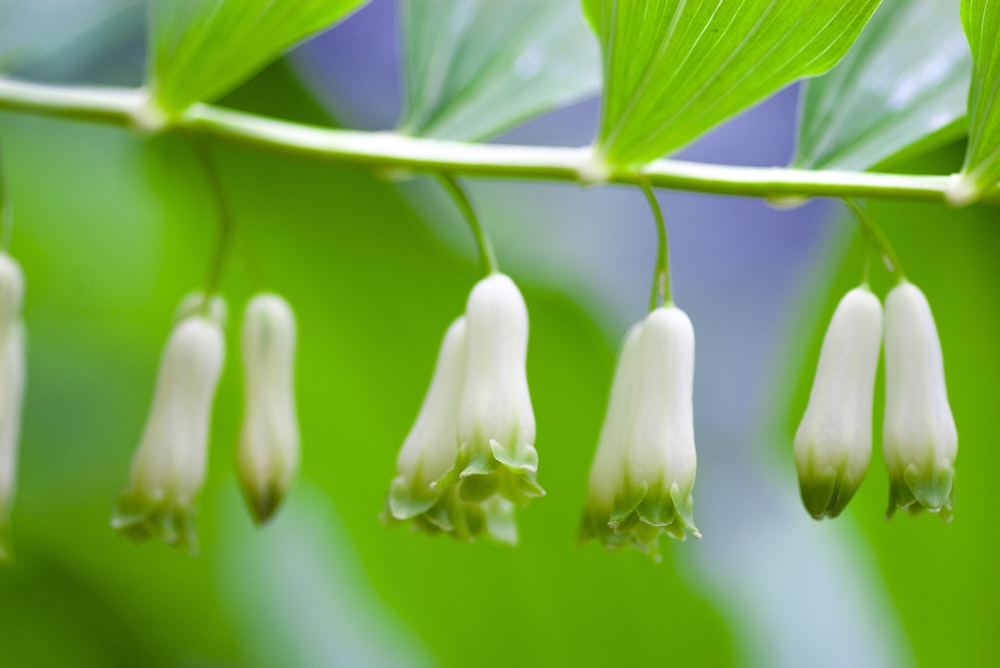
<point x="268" y="451"/>
<point x="423" y="490"/>
<point x="12" y="377"/>
<point x="833" y="445"/>
<point x="168" y="469"/>
<point x="919" y="441"/>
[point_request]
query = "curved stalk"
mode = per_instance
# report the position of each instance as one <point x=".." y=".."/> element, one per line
<point x="388" y="151"/>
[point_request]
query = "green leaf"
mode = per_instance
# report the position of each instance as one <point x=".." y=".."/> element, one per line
<point x="473" y="68"/>
<point x="890" y="93"/>
<point x="204" y="48"/>
<point x="981" y="170"/>
<point x="70" y="32"/>
<point x="674" y="69"/>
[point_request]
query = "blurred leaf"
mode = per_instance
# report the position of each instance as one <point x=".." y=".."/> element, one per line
<point x="981" y="19"/>
<point x="204" y="48"/>
<point x="476" y="67"/>
<point x="674" y="69"/>
<point x="891" y="92"/>
<point x="33" y="31"/>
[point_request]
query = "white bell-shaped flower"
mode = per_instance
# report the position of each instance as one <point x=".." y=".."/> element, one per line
<point x="607" y="473"/>
<point x="268" y="451"/>
<point x="12" y="379"/>
<point x="660" y="459"/>
<point x="496" y="424"/>
<point x="919" y="441"/>
<point x="419" y="491"/>
<point x="168" y="469"/>
<point x="833" y="445"/>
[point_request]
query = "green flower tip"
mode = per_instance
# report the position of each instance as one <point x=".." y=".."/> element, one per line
<point x="481" y="473"/>
<point x="918" y="490"/>
<point x="826" y="493"/>
<point x="264" y="502"/>
<point x="639" y="517"/>
<point x="140" y="519"/>
<point x="447" y="512"/>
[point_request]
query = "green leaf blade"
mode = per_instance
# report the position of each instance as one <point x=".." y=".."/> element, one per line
<point x="981" y="170"/>
<point x="473" y="68"/>
<point x="202" y="49"/>
<point x="892" y="92"/>
<point x="675" y="68"/>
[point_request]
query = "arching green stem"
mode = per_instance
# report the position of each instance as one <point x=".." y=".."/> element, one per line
<point x="487" y="257"/>
<point x="661" y="274"/>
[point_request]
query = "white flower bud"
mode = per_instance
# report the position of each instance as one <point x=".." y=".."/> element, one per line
<point x="833" y="445"/>
<point x="660" y="458"/>
<point x="168" y="469"/>
<point x="919" y="441"/>
<point x="496" y="424"/>
<point x="268" y="452"/>
<point x="12" y="379"/>
<point x="607" y="474"/>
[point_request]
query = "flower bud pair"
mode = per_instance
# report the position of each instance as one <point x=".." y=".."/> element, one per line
<point x="12" y="379"/>
<point x="919" y="443"/>
<point x="168" y="469"/>
<point x="469" y="457"/>
<point x="643" y="474"/>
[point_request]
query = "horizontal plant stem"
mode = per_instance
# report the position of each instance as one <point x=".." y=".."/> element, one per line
<point x="390" y="151"/>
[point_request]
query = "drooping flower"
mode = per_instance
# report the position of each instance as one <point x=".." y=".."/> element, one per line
<point x="607" y="473"/>
<point x="643" y="475"/>
<point x="12" y="379"/>
<point x="168" y="469"/>
<point x="420" y="491"/>
<point x="833" y="445"/>
<point x="268" y="452"/>
<point x="496" y="424"/>
<point x="660" y="459"/>
<point x="919" y="441"/>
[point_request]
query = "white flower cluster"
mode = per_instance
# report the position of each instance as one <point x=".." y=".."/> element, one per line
<point x="643" y="473"/>
<point x="469" y="458"/>
<point x="11" y="388"/>
<point x="168" y="469"/>
<point x="919" y="441"/>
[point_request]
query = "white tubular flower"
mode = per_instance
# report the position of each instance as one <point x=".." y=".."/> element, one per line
<point x="496" y="424"/>
<point x="660" y="460"/>
<point x="833" y="445"/>
<point x="168" y="469"/>
<point x="268" y="452"/>
<point x="919" y="440"/>
<point x="11" y="388"/>
<point x="608" y="470"/>
<point x="418" y="492"/>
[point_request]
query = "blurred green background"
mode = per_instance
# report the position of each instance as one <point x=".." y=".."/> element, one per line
<point x="112" y="230"/>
